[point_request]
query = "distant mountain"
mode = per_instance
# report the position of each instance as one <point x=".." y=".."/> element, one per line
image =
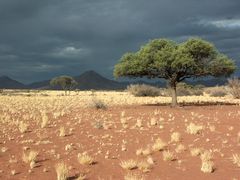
<point x="8" y="83"/>
<point x="92" y="80"/>
<point x="39" y="85"/>
<point x="87" y="80"/>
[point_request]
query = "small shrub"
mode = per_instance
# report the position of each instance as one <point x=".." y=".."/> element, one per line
<point x="97" y="104"/>
<point x="98" y="125"/>
<point x="234" y="87"/>
<point x="143" y="90"/>
<point x="218" y="91"/>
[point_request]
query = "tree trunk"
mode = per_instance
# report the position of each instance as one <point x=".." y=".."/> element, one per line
<point x="174" y="94"/>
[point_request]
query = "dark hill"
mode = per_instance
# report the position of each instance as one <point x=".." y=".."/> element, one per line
<point x="8" y="83"/>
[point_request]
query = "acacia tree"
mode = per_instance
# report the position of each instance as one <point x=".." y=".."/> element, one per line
<point x="163" y="58"/>
<point x="67" y="83"/>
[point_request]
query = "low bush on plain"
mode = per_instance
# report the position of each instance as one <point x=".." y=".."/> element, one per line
<point x="218" y="91"/>
<point x="234" y="87"/>
<point x="141" y="90"/>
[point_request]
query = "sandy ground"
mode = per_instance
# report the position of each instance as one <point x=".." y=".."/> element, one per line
<point x="111" y="136"/>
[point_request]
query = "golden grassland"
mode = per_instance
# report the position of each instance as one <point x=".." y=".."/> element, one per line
<point x="110" y="98"/>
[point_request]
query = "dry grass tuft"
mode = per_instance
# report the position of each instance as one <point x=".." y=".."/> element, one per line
<point x="168" y="156"/>
<point x="62" y="171"/>
<point x="85" y="159"/>
<point x="144" y="166"/>
<point x="129" y="164"/>
<point x="159" y="145"/>
<point x="175" y="137"/>
<point x="194" y="129"/>
<point x="23" y="127"/>
<point x="196" y="151"/>
<point x="180" y="148"/>
<point x="62" y="132"/>
<point x="206" y="156"/>
<point x="207" y="166"/>
<point x="236" y="159"/>
<point x="30" y="157"/>
<point x="132" y="176"/>
<point x="45" y="121"/>
<point x="81" y="177"/>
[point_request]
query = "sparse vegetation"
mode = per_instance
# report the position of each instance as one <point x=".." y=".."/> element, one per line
<point x="131" y="133"/>
<point x="85" y="159"/>
<point x="236" y="159"/>
<point x="168" y="156"/>
<point x="159" y="145"/>
<point x="23" y="127"/>
<point x="234" y="87"/>
<point x="131" y="176"/>
<point x="175" y="137"/>
<point x="97" y="104"/>
<point x="218" y="91"/>
<point x="207" y="166"/>
<point x="62" y="171"/>
<point x="194" y="129"/>
<point x="143" y="90"/>
<point x="62" y="132"/>
<point x="129" y="164"/>
<point x="30" y="157"/>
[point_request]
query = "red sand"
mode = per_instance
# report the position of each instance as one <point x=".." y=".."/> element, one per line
<point x="85" y="137"/>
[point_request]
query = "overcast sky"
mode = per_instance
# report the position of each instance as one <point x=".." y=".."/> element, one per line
<point x="40" y="39"/>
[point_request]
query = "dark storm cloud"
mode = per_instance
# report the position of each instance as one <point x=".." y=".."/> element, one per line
<point x="41" y="39"/>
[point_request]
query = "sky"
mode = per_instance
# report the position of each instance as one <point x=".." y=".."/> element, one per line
<point x="46" y="38"/>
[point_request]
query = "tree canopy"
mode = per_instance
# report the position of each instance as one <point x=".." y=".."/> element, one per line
<point x="163" y="58"/>
<point x="67" y="83"/>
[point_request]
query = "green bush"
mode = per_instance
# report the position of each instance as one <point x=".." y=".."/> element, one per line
<point x="141" y="90"/>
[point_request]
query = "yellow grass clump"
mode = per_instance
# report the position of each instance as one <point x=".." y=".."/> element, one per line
<point x="236" y="159"/>
<point x="62" y="171"/>
<point x="129" y="164"/>
<point x="175" y="137"/>
<point x="30" y="157"/>
<point x="194" y="129"/>
<point x="168" y="156"/>
<point x="23" y="127"/>
<point x="131" y="176"/>
<point x="159" y="145"/>
<point x="85" y="159"/>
